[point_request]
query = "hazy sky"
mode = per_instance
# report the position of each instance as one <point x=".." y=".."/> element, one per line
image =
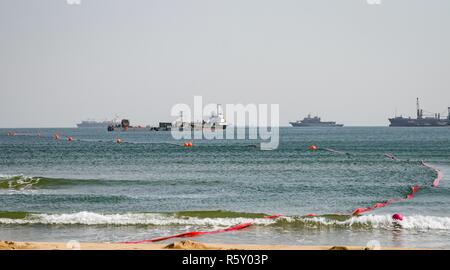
<point x="346" y="60"/>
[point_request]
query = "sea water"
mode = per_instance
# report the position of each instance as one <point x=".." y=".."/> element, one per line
<point x="93" y="189"/>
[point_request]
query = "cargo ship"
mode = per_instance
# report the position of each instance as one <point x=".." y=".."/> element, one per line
<point x="434" y="120"/>
<point x="314" y="122"/>
<point x="94" y="124"/>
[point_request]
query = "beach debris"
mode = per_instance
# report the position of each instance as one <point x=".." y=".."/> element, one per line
<point x="187" y="244"/>
<point x="11" y="133"/>
<point x="9" y="245"/>
<point x="56" y="136"/>
<point x="339" y="248"/>
<point x="118" y="140"/>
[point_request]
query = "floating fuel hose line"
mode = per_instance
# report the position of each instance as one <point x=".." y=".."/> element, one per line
<point x="358" y="211"/>
<point x="199" y="233"/>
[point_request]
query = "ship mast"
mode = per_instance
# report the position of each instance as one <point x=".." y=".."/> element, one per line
<point x="419" y="111"/>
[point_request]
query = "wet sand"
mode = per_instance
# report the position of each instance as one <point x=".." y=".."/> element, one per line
<point x="177" y="245"/>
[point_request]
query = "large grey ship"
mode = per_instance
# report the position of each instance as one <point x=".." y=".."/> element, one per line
<point x="314" y="122"/>
<point x="434" y="120"/>
<point x="94" y="124"/>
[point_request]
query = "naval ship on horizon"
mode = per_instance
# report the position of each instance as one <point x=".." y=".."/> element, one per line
<point x="215" y="121"/>
<point x="94" y="124"/>
<point x="428" y="121"/>
<point x="314" y="122"/>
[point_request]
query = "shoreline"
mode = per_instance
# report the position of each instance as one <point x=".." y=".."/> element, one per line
<point x="177" y="245"/>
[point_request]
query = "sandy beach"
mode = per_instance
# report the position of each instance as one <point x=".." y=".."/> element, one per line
<point x="177" y="245"/>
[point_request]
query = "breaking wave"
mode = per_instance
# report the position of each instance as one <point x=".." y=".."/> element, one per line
<point x="414" y="222"/>
<point x="22" y="182"/>
<point x="156" y="219"/>
<point x="19" y="182"/>
<point x="222" y="219"/>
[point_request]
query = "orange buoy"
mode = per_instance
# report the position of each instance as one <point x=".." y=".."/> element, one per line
<point x="312" y="148"/>
<point x="187" y="144"/>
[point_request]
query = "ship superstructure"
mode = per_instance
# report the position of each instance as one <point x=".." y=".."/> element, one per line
<point x="215" y="121"/>
<point x="433" y="120"/>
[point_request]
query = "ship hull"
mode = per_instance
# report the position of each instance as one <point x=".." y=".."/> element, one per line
<point x="295" y="124"/>
<point x="92" y="126"/>
<point x="407" y="122"/>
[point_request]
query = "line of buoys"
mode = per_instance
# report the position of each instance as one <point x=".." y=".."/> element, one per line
<point x="187" y="144"/>
<point x="390" y="156"/>
<point x="57" y="136"/>
<point x="312" y="147"/>
<point x="335" y="151"/>
<point x="439" y="174"/>
<point x="409" y="196"/>
<point x="395" y="217"/>
<point x="316" y="148"/>
<point x="414" y="189"/>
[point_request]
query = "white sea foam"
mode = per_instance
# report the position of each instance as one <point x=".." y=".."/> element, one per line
<point x="415" y="222"/>
<point x="90" y="218"/>
<point x="18" y="182"/>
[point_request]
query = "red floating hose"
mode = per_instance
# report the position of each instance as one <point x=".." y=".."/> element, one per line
<point x="439" y="174"/>
<point x="357" y="211"/>
<point x="198" y="233"/>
